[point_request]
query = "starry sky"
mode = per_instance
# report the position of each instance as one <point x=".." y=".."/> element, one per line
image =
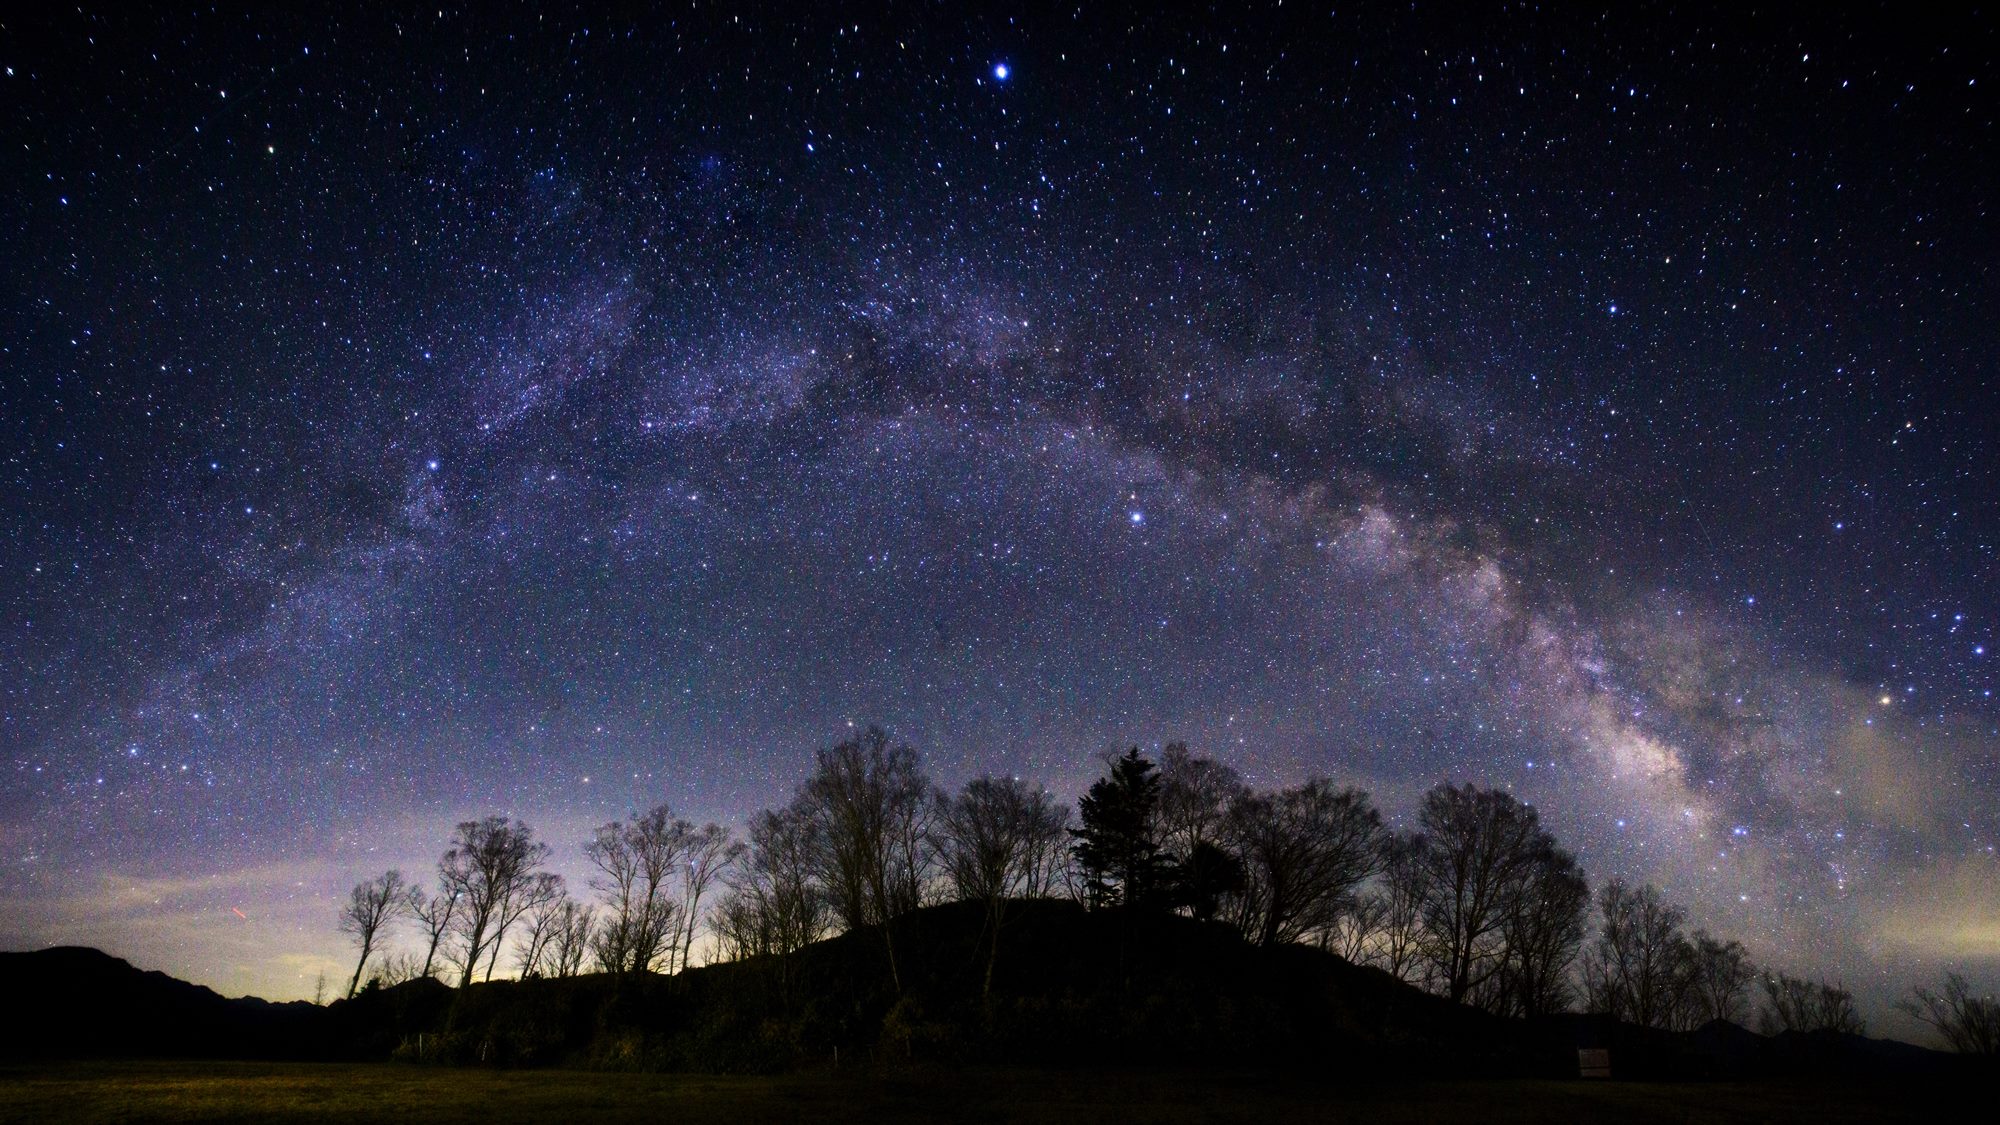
<point x="407" y="418"/>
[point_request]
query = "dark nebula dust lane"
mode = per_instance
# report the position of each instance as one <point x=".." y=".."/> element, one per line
<point x="405" y="417"/>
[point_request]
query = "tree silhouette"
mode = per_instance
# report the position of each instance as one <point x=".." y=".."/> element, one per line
<point x="774" y="907"/>
<point x="1969" y="1022"/>
<point x="435" y="915"/>
<point x="1116" y="846"/>
<point x="1195" y="795"/>
<point x="636" y="862"/>
<point x="999" y="839"/>
<point x="870" y="807"/>
<point x="1478" y="903"/>
<point x="1304" y="852"/>
<point x="570" y="946"/>
<point x="1395" y="943"/>
<point x="534" y="893"/>
<point x="1639" y="967"/>
<point x="711" y="851"/>
<point x="1543" y="932"/>
<point x="558" y="938"/>
<point x="490" y="866"/>
<point x="391" y="969"/>
<point x="1474" y="856"/>
<point x="1801" y="1004"/>
<point x="370" y="907"/>
<point x="1209" y="876"/>
<point x="1720" y="974"/>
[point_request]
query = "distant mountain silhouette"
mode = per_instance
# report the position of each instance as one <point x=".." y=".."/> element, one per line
<point x="70" y="1001"/>
<point x="1071" y="988"/>
<point x="1723" y="1050"/>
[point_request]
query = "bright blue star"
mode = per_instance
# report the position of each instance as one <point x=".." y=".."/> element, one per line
<point x="1000" y="72"/>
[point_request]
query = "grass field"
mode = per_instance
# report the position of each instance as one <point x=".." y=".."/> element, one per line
<point x="230" y="1091"/>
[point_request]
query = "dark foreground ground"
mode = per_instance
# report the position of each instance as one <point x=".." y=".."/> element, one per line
<point x="230" y="1091"/>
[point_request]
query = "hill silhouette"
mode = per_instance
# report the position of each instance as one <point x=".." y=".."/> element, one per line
<point x="1072" y="988"/>
<point x="75" y="1001"/>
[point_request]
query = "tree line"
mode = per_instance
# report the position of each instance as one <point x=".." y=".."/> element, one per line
<point x="1476" y="902"/>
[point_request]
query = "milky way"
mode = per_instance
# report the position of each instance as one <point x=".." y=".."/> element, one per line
<point x="404" y="419"/>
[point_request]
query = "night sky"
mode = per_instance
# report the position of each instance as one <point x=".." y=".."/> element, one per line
<point x="408" y="419"/>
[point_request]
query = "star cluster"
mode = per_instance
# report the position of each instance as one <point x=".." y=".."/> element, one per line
<point x="410" y="417"/>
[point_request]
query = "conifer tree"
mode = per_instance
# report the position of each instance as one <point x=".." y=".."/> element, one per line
<point x="1118" y="846"/>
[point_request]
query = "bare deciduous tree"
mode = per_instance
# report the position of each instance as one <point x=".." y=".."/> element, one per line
<point x="870" y="807"/>
<point x="558" y="937"/>
<point x="1474" y="854"/>
<point x="774" y="907"/>
<point x="492" y="862"/>
<point x="1195" y="795"/>
<point x="1353" y="933"/>
<point x="370" y="907"/>
<point x="538" y="891"/>
<point x="711" y="851"/>
<point x="434" y="914"/>
<point x="636" y="863"/>
<point x="1396" y="943"/>
<point x="999" y="839"/>
<point x="534" y="909"/>
<point x="393" y="969"/>
<point x="1720" y="975"/>
<point x="570" y="946"/>
<point x="1544" y="930"/>
<point x="1800" y="1004"/>
<point x="1969" y="1022"/>
<point x="1638" y="969"/>
<point x="1304" y="851"/>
